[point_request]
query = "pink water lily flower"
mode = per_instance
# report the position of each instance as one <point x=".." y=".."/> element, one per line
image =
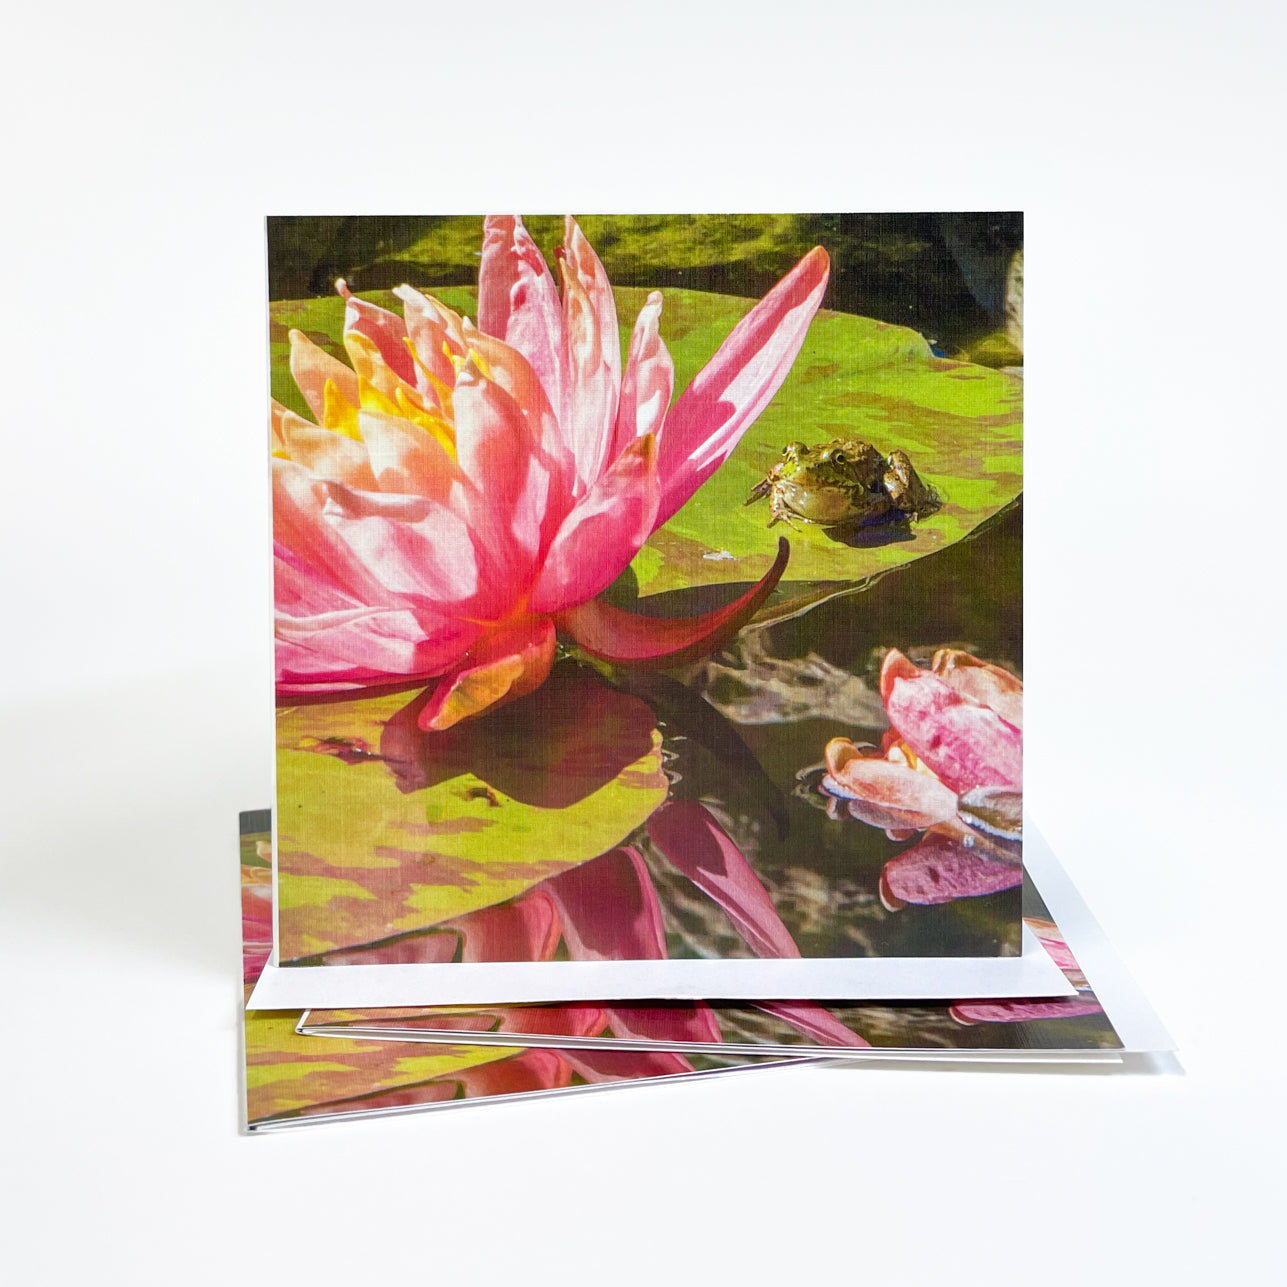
<point x="466" y="491"/>
<point x="954" y="750"/>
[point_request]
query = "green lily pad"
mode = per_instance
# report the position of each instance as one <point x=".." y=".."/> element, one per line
<point x="961" y="424"/>
<point x="286" y="1072"/>
<point x="383" y="830"/>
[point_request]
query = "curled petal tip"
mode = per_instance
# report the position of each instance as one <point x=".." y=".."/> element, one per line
<point x="661" y="642"/>
<point x="818" y="260"/>
<point x="888" y="900"/>
<point x="839" y="751"/>
<point x="507" y="666"/>
<point x="895" y="666"/>
<point x="342" y="288"/>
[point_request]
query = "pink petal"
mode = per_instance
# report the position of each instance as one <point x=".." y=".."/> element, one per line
<point x="311" y="367"/>
<point x="609" y="909"/>
<point x="256" y="929"/>
<point x="968" y="1012"/>
<point x="626" y="1065"/>
<point x="814" y="1021"/>
<point x="649" y="380"/>
<point x="531" y="321"/>
<point x="425" y="551"/>
<point x="966" y="745"/>
<point x="681" y="1022"/>
<point x="386" y="330"/>
<point x="430" y="558"/>
<point x="576" y="1019"/>
<point x="942" y="867"/>
<point x="660" y="642"/>
<point x="493" y="439"/>
<point x="602" y="533"/>
<point x="254" y="956"/>
<point x="363" y="647"/>
<point x="981" y="682"/>
<point x="529" y="1073"/>
<point x="322" y="451"/>
<point x="502" y="666"/>
<point x="300" y="593"/>
<point x="1051" y="938"/>
<point x="406" y="459"/>
<point x="593" y="348"/>
<point x="430" y="331"/>
<point x="580" y="258"/>
<point x="889" y="795"/>
<point x="300" y="527"/>
<point x="511" y="370"/>
<point x="497" y="274"/>
<point x="524" y="929"/>
<point x="257" y="913"/>
<point x="698" y="847"/>
<point x="509" y="492"/>
<point x="727" y="394"/>
<point x="353" y="502"/>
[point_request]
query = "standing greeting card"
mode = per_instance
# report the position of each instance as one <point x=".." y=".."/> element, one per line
<point x="654" y="631"/>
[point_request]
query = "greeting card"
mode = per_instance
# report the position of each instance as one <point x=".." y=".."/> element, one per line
<point x="656" y="633"/>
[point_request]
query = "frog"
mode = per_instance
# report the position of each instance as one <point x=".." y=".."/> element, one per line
<point x="841" y="484"/>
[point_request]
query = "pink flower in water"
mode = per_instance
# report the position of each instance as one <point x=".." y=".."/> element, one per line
<point x="467" y="491"/>
<point x="951" y="765"/>
<point x="954" y="749"/>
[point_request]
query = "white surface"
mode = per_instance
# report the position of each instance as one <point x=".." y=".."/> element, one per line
<point x="1032" y="974"/>
<point x="144" y="142"/>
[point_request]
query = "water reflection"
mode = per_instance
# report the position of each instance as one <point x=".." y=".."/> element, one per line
<point x="550" y="749"/>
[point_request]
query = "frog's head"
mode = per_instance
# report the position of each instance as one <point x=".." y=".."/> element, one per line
<point x="838" y="463"/>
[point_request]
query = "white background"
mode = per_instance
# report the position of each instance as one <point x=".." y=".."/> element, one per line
<point x="145" y="142"/>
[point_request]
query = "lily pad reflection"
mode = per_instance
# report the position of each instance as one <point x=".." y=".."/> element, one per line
<point x="385" y="830"/>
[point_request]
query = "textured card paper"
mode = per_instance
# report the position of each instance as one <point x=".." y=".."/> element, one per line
<point x="658" y="634"/>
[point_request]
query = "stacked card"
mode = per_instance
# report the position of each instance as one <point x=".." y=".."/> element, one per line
<point x="585" y="774"/>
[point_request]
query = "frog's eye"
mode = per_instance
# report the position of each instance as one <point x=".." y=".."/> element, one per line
<point x="839" y="457"/>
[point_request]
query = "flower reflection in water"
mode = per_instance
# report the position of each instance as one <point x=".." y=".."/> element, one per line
<point x="355" y="1076"/>
<point x="550" y="750"/>
<point x="608" y="910"/>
